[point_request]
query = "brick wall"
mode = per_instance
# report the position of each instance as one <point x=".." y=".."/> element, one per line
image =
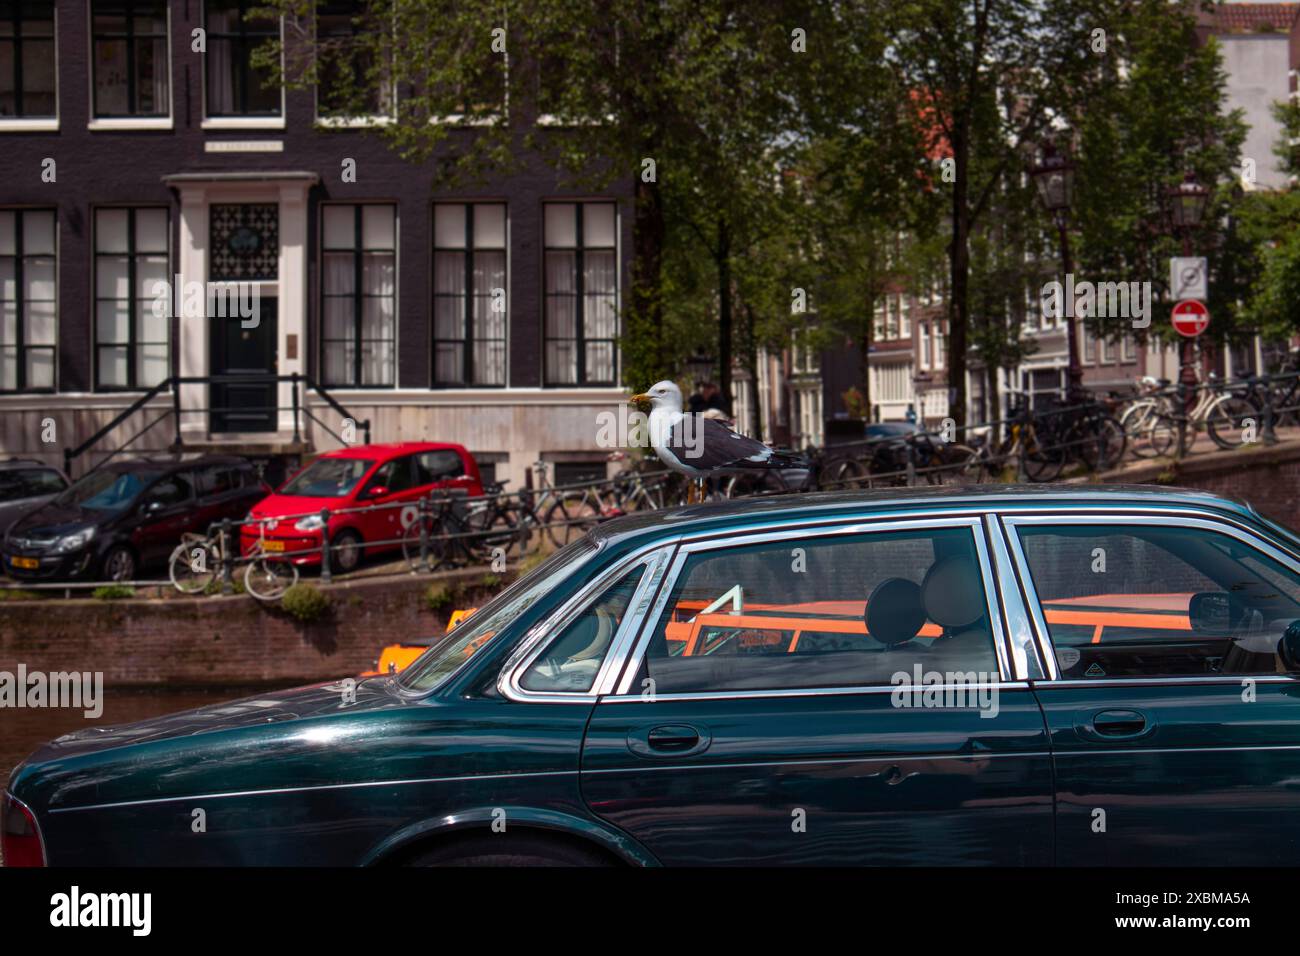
<point x="1267" y="477"/>
<point x="224" y="641"/>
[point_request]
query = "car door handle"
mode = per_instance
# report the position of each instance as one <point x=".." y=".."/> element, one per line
<point x="1113" y="724"/>
<point x="668" y="740"/>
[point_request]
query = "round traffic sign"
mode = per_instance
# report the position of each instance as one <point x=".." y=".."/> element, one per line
<point x="1190" y="318"/>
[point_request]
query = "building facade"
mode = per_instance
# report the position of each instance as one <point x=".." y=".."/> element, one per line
<point x="142" y="170"/>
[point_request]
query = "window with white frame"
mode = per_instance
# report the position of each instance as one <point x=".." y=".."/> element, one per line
<point x="470" y="302"/>
<point x="235" y="87"/>
<point x="581" y="282"/>
<point x="27" y="59"/>
<point x="923" y="328"/>
<point x="1089" y="345"/>
<point x="359" y="294"/>
<point x="131" y="260"/>
<point x="878" y="324"/>
<point x="1129" y="349"/>
<point x="28" y="300"/>
<point x="940" y="346"/>
<point x="129" y="58"/>
<point x="904" y="317"/>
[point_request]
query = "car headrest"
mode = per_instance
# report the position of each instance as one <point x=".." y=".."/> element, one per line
<point x="951" y="594"/>
<point x="894" y="612"/>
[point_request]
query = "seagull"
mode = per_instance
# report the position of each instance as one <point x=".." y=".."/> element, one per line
<point x="698" y="446"/>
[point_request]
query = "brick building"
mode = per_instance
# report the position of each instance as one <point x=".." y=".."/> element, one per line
<point x="487" y="316"/>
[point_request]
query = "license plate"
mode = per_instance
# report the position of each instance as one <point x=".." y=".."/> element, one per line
<point x="31" y="564"/>
<point x="273" y="545"/>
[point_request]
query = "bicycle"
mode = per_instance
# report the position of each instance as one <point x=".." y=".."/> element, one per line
<point x="195" y="563"/>
<point x="268" y="574"/>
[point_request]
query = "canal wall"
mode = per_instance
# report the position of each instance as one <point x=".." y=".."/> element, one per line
<point x="231" y="641"/>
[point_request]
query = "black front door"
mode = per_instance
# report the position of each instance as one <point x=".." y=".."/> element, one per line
<point x="244" y="353"/>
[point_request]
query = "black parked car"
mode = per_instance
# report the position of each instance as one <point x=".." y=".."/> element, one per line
<point x="26" y="484"/>
<point x="128" y="515"/>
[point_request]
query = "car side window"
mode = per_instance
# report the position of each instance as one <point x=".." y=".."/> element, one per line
<point x="842" y="611"/>
<point x="394" y="475"/>
<point x="172" y="490"/>
<point x="441" y="465"/>
<point x="217" y="480"/>
<point x="571" y="661"/>
<point x="1159" y="601"/>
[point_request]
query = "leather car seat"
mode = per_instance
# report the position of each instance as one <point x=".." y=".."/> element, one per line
<point x="952" y="596"/>
<point x="894" y="614"/>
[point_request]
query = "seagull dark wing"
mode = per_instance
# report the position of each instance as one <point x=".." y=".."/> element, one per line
<point x="709" y="445"/>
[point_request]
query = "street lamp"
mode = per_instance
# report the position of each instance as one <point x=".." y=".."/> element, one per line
<point x="1054" y="179"/>
<point x="1187" y="202"/>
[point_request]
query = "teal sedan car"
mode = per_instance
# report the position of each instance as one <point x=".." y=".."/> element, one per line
<point x="1003" y="675"/>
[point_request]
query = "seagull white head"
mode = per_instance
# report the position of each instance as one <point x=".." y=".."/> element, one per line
<point x="663" y="394"/>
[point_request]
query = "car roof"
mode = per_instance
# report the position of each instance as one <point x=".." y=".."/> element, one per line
<point x="720" y="516"/>
<point x="392" y="449"/>
<point x="174" y="464"/>
<point x="10" y="464"/>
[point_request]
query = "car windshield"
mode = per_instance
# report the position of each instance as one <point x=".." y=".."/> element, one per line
<point x="108" y="490"/>
<point x="328" y="478"/>
<point x="439" y="662"/>
<point x="29" y="483"/>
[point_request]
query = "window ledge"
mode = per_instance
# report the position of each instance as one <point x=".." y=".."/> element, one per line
<point x="459" y="119"/>
<point x="243" y="122"/>
<point x="549" y="119"/>
<point x="106" y="123"/>
<point x="353" y="122"/>
<point x="22" y="124"/>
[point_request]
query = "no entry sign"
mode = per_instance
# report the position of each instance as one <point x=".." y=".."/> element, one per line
<point x="1191" y="318"/>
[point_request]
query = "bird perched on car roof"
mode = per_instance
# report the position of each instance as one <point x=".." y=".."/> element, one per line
<point x="701" y="446"/>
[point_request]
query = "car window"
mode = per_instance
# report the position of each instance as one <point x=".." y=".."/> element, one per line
<point x="172" y="490"/>
<point x="570" y="662"/>
<point x="328" y="478"/>
<point x="393" y="475"/>
<point x="440" y="465"/>
<point x="851" y="610"/>
<point x="107" y="490"/>
<point x="218" y="480"/>
<point x="1157" y="601"/>
<point x="30" y="483"/>
<point x="442" y="660"/>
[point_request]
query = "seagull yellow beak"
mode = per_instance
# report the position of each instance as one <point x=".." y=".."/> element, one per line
<point x="639" y="399"/>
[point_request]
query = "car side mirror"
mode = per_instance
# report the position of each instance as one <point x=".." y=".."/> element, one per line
<point x="378" y="491"/>
<point x="153" y="507"/>
<point x="1288" y="648"/>
<point x="1210" y="612"/>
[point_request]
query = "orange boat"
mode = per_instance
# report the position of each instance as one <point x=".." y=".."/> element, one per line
<point x="397" y="657"/>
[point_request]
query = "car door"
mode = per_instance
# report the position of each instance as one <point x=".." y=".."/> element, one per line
<point x="385" y="515"/>
<point x="826" y="696"/>
<point x="1173" y="708"/>
<point x="167" y="510"/>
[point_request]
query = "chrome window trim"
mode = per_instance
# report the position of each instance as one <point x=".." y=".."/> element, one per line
<point x="1159" y="518"/>
<point x="716" y="542"/>
<point x="808" y="692"/>
<point x="1022" y="638"/>
<point x="1235" y="679"/>
<point x="654" y="560"/>
<point x="1063" y="505"/>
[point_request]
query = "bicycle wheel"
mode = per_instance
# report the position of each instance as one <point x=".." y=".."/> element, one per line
<point x="966" y="467"/>
<point x="569" y="518"/>
<point x="193" y="567"/>
<point x="436" y="549"/>
<point x="1230" y="421"/>
<point x="268" y="578"/>
<point x="842" y="473"/>
<point x="1163" y="435"/>
<point x="1040" y="462"/>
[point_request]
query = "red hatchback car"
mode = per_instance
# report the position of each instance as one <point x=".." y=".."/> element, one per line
<point x="354" y="484"/>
